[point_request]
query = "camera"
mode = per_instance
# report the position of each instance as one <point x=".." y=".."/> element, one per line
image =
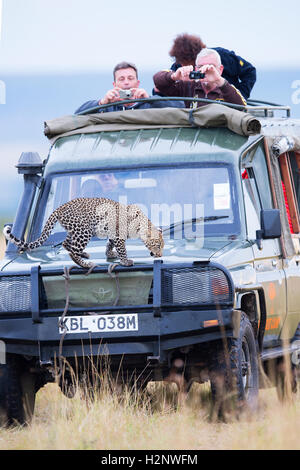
<point x="125" y="94"/>
<point x="196" y="75"/>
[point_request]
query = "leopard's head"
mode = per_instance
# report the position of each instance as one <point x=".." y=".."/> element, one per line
<point x="155" y="244"/>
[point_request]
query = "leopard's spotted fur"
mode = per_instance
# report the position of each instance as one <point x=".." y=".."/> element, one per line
<point x="84" y="218"/>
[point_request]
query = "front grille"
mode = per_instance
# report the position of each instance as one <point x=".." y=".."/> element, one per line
<point x="206" y="285"/>
<point x="15" y="294"/>
<point x="97" y="290"/>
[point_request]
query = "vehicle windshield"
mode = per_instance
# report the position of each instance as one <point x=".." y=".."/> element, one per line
<point x="186" y="202"/>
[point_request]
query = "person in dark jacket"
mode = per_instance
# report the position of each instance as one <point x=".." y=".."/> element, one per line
<point x="213" y="86"/>
<point x="238" y="71"/>
<point x="126" y="78"/>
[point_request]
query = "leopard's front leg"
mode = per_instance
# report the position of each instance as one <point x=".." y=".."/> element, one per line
<point x="75" y="246"/>
<point x="122" y="253"/>
<point x="110" y="253"/>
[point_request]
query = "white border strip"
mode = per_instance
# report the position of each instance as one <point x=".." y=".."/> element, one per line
<point x="1" y="9"/>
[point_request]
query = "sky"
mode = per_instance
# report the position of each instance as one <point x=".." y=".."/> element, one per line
<point x="69" y="36"/>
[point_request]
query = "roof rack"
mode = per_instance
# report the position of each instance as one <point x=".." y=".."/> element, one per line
<point x="265" y="108"/>
<point x="256" y="107"/>
<point x="162" y="98"/>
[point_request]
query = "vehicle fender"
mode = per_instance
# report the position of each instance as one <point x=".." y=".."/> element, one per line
<point x="251" y="300"/>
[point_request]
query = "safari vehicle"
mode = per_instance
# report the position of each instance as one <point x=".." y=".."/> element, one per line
<point x="223" y="299"/>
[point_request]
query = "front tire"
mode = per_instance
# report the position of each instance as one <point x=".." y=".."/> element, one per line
<point x="17" y="393"/>
<point x="235" y="379"/>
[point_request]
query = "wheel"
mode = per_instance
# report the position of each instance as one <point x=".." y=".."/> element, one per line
<point x="235" y="377"/>
<point x="17" y="393"/>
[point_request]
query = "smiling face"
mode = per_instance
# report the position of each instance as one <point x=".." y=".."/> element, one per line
<point x="126" y="79"/>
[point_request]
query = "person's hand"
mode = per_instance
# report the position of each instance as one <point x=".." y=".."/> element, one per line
<point x="212" y="75"/>
<point x="137" y="93"/>
<point x="183" y="73"/>
<point x="110" y="97"/>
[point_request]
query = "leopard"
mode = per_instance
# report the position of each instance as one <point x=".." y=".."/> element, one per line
<point x="84" y="218"/>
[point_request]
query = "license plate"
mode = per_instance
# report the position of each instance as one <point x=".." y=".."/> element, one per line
<point x="100" y="323"/>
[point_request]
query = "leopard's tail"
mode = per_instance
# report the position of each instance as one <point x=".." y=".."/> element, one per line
<point x="22" y="245"/>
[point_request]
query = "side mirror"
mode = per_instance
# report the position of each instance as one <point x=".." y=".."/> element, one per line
<point x="270" y="223"/>
<point x="270" y="226"/>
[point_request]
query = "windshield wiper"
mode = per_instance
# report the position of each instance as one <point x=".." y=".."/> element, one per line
<point x="208" y="218"/>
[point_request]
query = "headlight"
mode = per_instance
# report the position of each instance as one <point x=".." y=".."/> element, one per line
<point x="197" y="285"/>
<point x="15" y="294"/>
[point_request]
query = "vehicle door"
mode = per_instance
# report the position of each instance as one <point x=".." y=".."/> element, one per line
<point x="289" y="168"/>
<point x="268" y="259"/>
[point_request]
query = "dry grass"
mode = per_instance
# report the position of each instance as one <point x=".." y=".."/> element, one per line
<point x="110" y="423"/>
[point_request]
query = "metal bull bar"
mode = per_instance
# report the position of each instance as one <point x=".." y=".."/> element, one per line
<point x="158" y="268"/>
<point x="186" y="309"/>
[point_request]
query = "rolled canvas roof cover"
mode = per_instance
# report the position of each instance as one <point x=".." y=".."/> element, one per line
<point x="212" y="115"/>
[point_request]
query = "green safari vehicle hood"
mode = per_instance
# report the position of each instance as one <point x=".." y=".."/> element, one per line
<point x="100" y="289"/>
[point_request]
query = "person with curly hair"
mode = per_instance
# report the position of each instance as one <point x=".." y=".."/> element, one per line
<point x="212" y="85"/>
<point x="237" y="71"/>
